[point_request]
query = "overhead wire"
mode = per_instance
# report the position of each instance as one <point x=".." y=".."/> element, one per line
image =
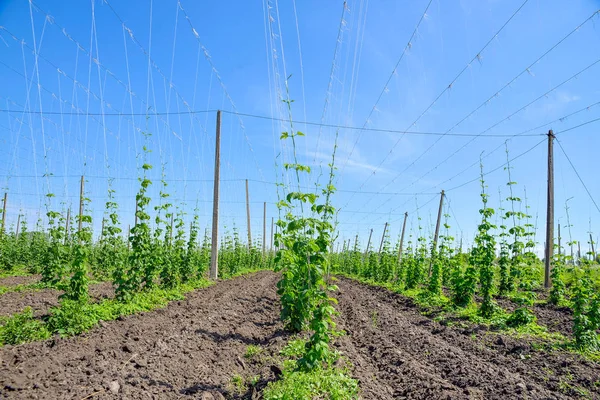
<point x="448" y="87"/>
<point x="383" y="90"/>
<point x="577" y="173"/>
<point x="492" y="126"/>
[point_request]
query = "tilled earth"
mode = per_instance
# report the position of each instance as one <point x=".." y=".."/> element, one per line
<point x="193" y="348"/>
<point x="42" y="300"/>
<point x="19" y="280"/>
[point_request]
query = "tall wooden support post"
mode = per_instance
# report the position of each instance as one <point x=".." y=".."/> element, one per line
<point x="383" y="237"/>
<point x="549" y="213"/>
<point x="593" y="249"/>
<point x="264" y="228"/>
<point x="368" y="243"/>
<point x="80" y="221"/>
<point x="248" y="215"/>
<point x="4" y="213"/>
<point x="272" y="223"/>
<point x="439" y="220"/>
<point x="578" y="252"/>
<point x="18" y="226"/>
<point x="214" y="249"/>
<point x="437" y="230"/>
<point x="67" y="225"/>
<point x="400" y="248"/>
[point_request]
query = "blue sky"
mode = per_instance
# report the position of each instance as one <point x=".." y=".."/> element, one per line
<point x="235" y="56"/>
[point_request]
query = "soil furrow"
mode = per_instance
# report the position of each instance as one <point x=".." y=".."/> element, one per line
<point x="191" y="346"/>
<point x="399" y="353"/>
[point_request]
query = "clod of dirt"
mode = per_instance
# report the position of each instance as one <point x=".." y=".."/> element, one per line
<point x="211" y="396"/>
<point x="114" y="387"/>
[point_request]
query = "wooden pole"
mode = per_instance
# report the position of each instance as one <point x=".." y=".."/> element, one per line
<point x="402" y="237"/>
<point x="4" y="213"/>
<point x="264" y="228"/>
<point x="383" y="237"/>
<point x="248" y="215"/>
<point x="18" y="225"/>
<point x="214" y="249"/>
<point x="593" y="249"/>
<point x="368" y="243"/>
<point x="549" y="213"/>
<point x="439" y="220"/>
<point x="67" y="223"/>
<point x="437" y="230"/>
<point x="80" y="205"/>
<point x="578" y="252"/>
<point x="272" y="223"/>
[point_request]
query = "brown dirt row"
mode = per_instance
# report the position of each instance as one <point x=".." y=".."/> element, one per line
<point x="19" y="280"/>
<point x="187" y="350"/>
<point x="399" y="353"/>
<point x="192" y="348"/>
<point x="42" y="300"/>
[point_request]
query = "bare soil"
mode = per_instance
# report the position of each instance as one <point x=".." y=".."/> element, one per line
<point x="189" y="349"/>
<point x="193" y="348"/>
<point x="399" y="353"/>
<point x="42" y="300"/>
<point x="19" y="280"/>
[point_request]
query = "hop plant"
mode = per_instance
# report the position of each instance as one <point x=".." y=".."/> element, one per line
<point x="483" y="254"/>
<point x="54" y="268"/>
<point x="77" y="289"/>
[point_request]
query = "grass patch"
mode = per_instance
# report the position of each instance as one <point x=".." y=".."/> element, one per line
<point x="22" y="327"/>
<point x="252" y="351"/>
<point x="19" y="270"/>
<point x="330" y="382"/>
<point x="33" y="287"/>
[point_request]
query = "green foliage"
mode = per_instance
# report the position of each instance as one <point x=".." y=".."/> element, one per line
<point x="77" y="288"/>
<point x="55" y="258"/>
<point x="483" y="254"/>
<point x="435" y="280"/>
<point x="328" y="383"/>
<point x="520" y="317"/>
<point x="586" y="314"/>
<point x="558" y="290"/>
<point x="139" y="267"/>
<point x="189" y="263"/>
<point x="252" y="351"/>
<point x="22" y="327"/>
<point x="304" y="262"/>
<point x="112" y="250"/>
<point x="463" y="285"/>
<point x="72" y="317"/>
